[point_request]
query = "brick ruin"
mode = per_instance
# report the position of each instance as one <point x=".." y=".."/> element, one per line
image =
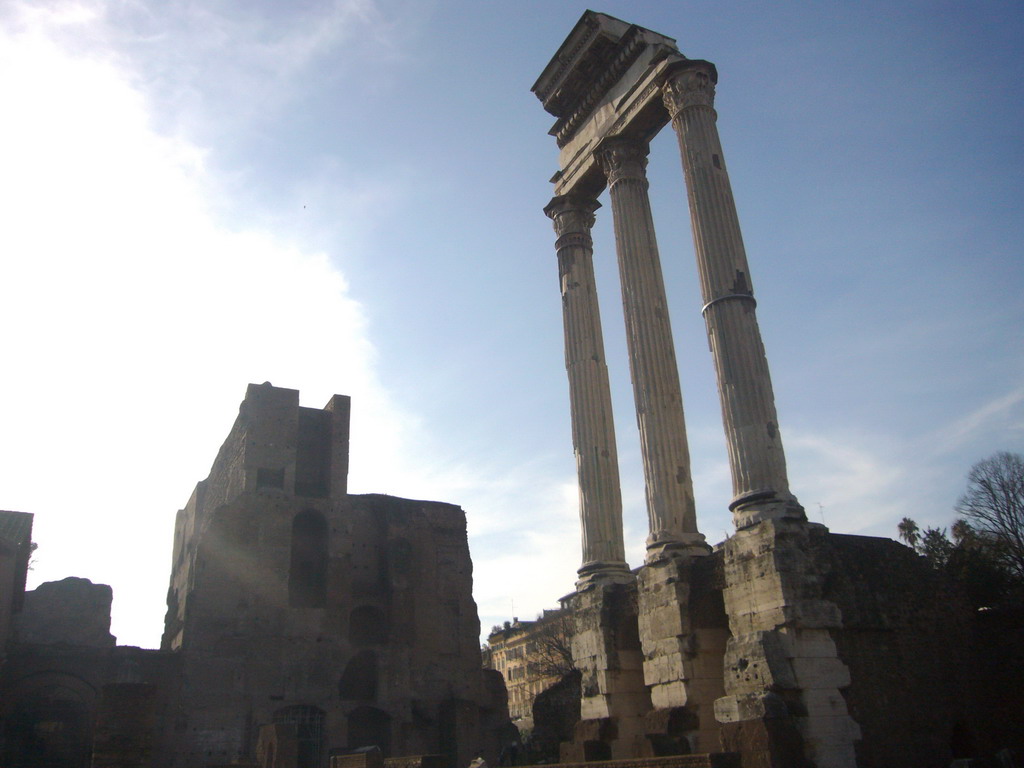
<point x="292" y="601"/>
<point x="297" y="614"/>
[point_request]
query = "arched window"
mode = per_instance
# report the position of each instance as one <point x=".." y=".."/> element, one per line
<point x="359" y="681"/>
<point x="307" y="577"/>
<point x="369" y="727"/>
<point x="367" y="626"/>
<point x="309" y="732"/>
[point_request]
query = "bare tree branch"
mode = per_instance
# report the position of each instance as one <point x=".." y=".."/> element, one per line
<point x="993" y="505"/>
<point x="553" y="637"/>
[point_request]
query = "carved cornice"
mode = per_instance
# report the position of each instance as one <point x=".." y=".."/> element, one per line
<point x="623" y="158"/>
<point x="573" y="217"/>
<point x="691" y="84"/>
<point x="591" y="27"/>
<point x="630" y="47"/>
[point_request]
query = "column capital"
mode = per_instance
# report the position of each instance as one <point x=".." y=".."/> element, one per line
<point x="572" y="214"/>
<point x="623" y="157"/>
<point x="689" y="83"/>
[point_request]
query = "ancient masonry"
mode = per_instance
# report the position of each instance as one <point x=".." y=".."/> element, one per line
<point x="302" y="621"/>
<point x="663" y="669"/>
<point x="292" y="601"/>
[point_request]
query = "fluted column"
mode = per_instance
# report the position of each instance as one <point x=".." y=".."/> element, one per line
<point x="593" y="431"/>
<point x="758" y="463"/>
<point x="659" y="404"/>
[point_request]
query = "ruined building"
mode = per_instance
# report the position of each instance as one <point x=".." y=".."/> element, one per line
<point x="70" y="697"/>
<point x="301" y="621"/>
<point x="291" y="601"/>
<point x="790" y="645"/>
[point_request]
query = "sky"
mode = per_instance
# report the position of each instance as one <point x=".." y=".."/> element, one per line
<point x="344" y="196"/>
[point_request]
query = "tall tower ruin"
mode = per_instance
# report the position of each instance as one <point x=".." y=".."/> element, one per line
<point x="294" y="607"/>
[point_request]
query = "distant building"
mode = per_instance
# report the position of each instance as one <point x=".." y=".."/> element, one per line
<point x="531" y="656"/>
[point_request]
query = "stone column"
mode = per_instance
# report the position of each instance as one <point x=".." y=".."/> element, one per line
<point x="783" y="678"/>
<point x="593" y="431"/>
<point x="760" y="486"/>
<point x="659" y="404"/>
<point x="613" y="694"/>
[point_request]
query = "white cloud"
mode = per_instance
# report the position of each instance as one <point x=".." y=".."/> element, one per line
<point x="133" y="317"/>
<point x="221" y="64"/>
<point x="849" y="482"/>
<point x="535" y="568"/>
<point x="983" y="420"/>
<point x="132" y="320"/>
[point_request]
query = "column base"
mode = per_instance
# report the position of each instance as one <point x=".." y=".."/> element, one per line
<point x="596" y="573"/>
<point x="689" y="545"/>
<point x="749" y="509"/>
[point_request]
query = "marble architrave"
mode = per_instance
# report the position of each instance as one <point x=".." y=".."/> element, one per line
<point x="605" y="80"/>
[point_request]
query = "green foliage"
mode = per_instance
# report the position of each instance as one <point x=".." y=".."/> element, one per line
<point x="984" y="550"/>
<point x="969" y="558"/>
<point x="909" y="532"/>
<point x="936" y="546"/>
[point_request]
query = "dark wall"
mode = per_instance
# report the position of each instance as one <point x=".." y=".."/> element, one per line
<point x="52" y="697"/>
<point x="906" y="639"/>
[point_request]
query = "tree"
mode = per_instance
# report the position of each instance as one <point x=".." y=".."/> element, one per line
<point x="909" y="532"/>
<point x="993" y="506"/>
<point x="969" y="559"/>
<point x="553" y="638"/>
<point x="932" y="543"/>
<point x="936" y="546"/>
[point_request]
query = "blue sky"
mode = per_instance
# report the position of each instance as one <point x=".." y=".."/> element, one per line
<point x="346" y="197"/>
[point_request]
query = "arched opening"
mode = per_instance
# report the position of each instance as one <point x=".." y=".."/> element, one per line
<point x="309" y="730"/>
<point x="367" y="626"/>
<point x="307" y="577"/>
<point x="359" y="681"/>
<point x="52" y="727"/>
<point x="369" y="727"/>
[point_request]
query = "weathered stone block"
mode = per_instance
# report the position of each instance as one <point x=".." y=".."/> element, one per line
<point x="668" y="695"/>
<point x="757" y="662"/>
<point x="826" y="703"/>
<point x="733" y="709"/>
<point x="71" y="611"/>
<point x="821" y="672"/>
<point x="370" y="757"/>
<point x="808" y="643"/>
